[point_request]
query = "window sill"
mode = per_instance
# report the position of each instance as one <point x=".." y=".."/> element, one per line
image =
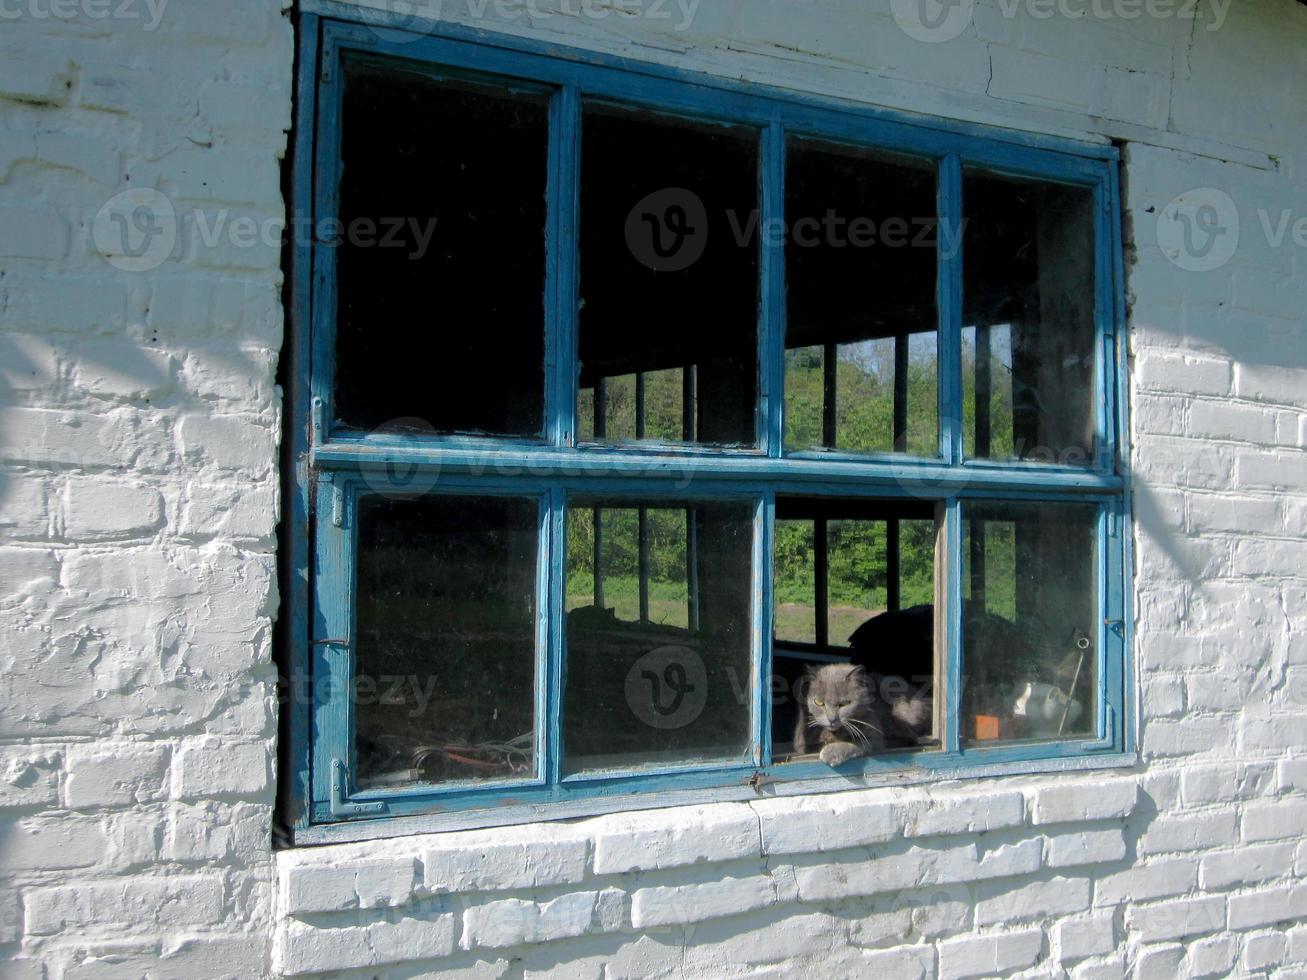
<point x="758" y="785"/>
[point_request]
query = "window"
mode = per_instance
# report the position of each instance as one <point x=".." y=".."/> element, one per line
<point x="625" y="403"/>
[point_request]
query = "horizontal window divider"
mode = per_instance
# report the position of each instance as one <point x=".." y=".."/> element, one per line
<point x="600" y="777"/>
<point x="657" y="86"/>
<point x="425" y="792"/>
<point x="694" y="474"/>
<point x="570" y="803"/>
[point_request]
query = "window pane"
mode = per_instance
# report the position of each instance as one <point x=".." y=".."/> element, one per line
<point x="861" y="369"/>
<point x="1028" y="314"/>
<point x="659" y="599"/>
<point x="669" y="280"/>
<point x="446" y="639"/>
<point x="1030" y="628"/>
<point x="855" y="583"/>
<point x="440" y="317"/>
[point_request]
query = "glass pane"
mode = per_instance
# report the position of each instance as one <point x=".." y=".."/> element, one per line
<point x="669" y="280"/>
<point x="446" y="639"/>
<point x="1028" y="314"/>
<point x="861" y="366"/>
<point x="870" y="567"/>
<point x="659" y="599"/>
<point x="440" y="316"/>
<point x="1030" y="626"/>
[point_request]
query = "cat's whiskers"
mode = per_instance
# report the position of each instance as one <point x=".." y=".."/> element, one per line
<point x="862" y="723"/>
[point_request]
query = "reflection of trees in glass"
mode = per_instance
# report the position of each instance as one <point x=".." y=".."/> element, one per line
<point x="864" y="397"/>
<point x="858" y="571"/>
<point x="620" y="562"/>
<point x="664" y="406"/>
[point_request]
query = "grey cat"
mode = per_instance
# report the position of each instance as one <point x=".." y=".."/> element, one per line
<point x="841" y="703"/>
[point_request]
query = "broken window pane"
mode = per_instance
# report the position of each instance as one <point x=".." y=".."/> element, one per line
<point x="441" y="256"/>
<point x="1030" y="629"/>
<point x="861" y="367"/>
<point x="855" y="582"/>
<point x="669" y="280"/>
<point x="659" y="626"/>
<point x="1028" y="315"/>
<point x="446" y="639"/>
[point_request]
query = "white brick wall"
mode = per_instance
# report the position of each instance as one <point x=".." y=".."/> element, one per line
<point x="139" y="421"/>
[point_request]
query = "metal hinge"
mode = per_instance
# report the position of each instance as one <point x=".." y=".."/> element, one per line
<point x="340" y="806"/>
<point x="319" y="420"/>
<point x="332" y="500"/>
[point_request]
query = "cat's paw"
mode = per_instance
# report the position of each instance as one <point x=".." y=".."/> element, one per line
<point x="838" y="753"/>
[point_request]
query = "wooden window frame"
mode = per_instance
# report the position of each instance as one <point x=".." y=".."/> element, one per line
<point x="327" y="469"/>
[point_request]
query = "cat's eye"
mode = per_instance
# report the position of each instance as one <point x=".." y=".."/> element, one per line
<point x="820" y="704"/>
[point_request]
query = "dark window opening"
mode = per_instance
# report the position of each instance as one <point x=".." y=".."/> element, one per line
<point x="669" y="280"/>
<point x="861" y="367"/>
<point x="854" y="582"/>
<point x="441" y="256"/>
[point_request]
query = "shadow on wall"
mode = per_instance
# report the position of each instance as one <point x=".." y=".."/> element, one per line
<point x="77" y="389"/>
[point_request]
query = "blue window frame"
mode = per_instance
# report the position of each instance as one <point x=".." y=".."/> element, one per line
<point x="1062" y="509"/>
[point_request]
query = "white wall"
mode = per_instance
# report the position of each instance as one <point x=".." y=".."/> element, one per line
<point x="138" y="430"/>
<point x="138" y="494"/>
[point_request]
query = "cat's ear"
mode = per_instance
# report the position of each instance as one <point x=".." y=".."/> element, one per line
<point x="810" y="670"/>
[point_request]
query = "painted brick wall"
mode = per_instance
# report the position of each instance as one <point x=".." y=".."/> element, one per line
<point x="138" y="430"/>
<point x="138" y="490"/>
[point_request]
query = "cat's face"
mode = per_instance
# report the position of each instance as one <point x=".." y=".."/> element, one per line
<point x="835" y="694"/>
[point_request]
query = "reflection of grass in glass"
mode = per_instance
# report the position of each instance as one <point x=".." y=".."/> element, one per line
<point x="668" y="601"/>
<point x="795" y="622"/>
<point x="845" y="619"/>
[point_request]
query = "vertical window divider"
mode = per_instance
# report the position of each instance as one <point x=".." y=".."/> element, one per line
<point x="553" y="550"/>
<point x="771" y="334"/>
<point x="764" y="579"/>
<point x="948" y="626"/>
<point x="328" y="166"/>
<point x="893" y="564"/>
<point x="1122" y="567"/>
<point x="949" y="291"/>
<point x="821" y="581"/>
<point x="562" y="266"/>
<point x="829" y="387"/>
<point x="1105" y="640"/>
